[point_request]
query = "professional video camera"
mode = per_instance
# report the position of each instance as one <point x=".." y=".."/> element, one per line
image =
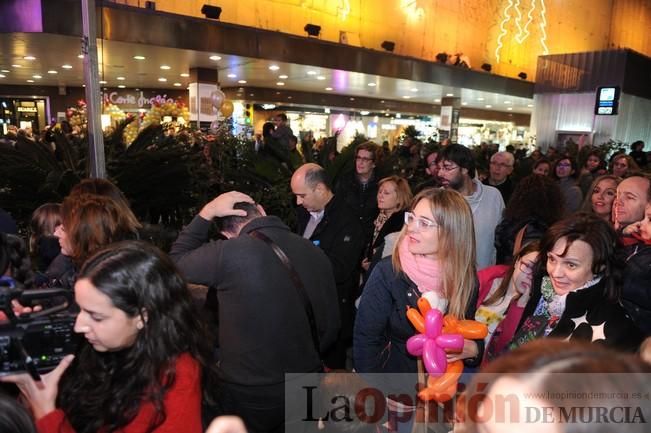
<point x="36" y="342"/>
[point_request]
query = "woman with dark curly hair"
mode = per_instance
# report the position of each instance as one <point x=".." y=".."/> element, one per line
<point x="145" y="357"/>
<point x="535" y="204"/>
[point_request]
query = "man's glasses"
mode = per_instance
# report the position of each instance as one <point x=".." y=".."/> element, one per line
<point x="419" y="223"/>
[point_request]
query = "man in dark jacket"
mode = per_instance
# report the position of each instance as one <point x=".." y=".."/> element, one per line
<point x="327" y="221"/>
<point x="264" y="330"/>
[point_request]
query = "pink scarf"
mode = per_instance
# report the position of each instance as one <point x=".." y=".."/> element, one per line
<point x="424" y="272"/>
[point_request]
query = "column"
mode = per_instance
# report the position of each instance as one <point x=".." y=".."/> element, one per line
<point x="449" y="128"/>
<point x="203" y="82"/>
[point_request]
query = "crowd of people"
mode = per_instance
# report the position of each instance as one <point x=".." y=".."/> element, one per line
<point x="552" y="255"/>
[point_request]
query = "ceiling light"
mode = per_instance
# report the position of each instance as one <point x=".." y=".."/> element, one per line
<point x="464" y="103"/>
<point x="280" y="83"/>
<point x="80" y="56"/>
<point x="177" y="84"/>
<point x="4" y="70"/>
<point x="139" y="57"/>
<point x="328" y="88"/>
<point x="232" y="76"/>
<point x="529" y="105"/>
<point x="352" y="99"/>
<point x="449" y="95"/>
<point x="509" y="108"/>
<point x="185" y="75"/>
<point x="413" y="89"/>
<point x="162" y="79"/>
<point x="388" y="45"/>
<point x="30" y="81"/>
<point x="283" y="77"/>
<point x="165" y="67"/>
<point x="372" y="84"/>
<point x="3" y="76"/>
<point x="321" y="77"/>
<point x="37" y="76"/>
<point x="406" y="97"/>
<point x="120" y="78"/>
<point x="19" y="66"/>
<point x="29" y="58"/>
<point x="103" y="82"/>
<point x="311" y="72"/>
<point x="489" y="106"/>
<point x="242" y="81"/>
<point x="312" y="29"/>
<point x="437" y="100"/>
<point x="211" y="11"/>
<point x="507" y="102"/>
<point x="121" y="86"/>
<point x="480" y="99"/>
<point x="52" y="71"/>
<point x="274" y="67"/>
<point x="364" y="113"/>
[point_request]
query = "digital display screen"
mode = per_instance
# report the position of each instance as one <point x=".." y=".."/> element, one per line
<point x="607" y="101"/>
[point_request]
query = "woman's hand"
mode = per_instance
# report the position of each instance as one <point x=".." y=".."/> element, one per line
<point x="41" y="396"/>
<point x="470" y="350"/>
<point x="632" y="228"/>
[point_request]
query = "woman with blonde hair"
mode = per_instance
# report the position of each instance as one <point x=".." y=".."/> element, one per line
<point x="393" y="199"/>
<point x="435" y="252"/>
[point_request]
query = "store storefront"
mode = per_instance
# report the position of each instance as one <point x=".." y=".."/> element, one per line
<point x="23" y="112"/>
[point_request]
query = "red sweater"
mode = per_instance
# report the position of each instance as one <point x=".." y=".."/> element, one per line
<point x="182" y="406"/>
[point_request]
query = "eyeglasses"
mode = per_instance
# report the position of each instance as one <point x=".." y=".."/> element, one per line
<point x="419" y="223"/>
<point x="526" y="268"/>
<point x="448" y="167"/>
<point x="363" y="159"/>
<point x="500" y="164"/>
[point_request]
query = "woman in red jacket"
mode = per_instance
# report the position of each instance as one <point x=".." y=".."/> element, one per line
<point x="143" y="361"/>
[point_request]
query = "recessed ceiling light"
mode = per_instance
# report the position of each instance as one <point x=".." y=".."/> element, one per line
<point x="3" y="76"/>
<point x="215" y="58"/>
<point x="29" y="58"/>
<point x="406" y="97"/>
<point x="449" y="95"/>
<point x="66" y="66"/>
<point x="280" y="83"/>
<point x="352" y="99"/>
<point x="364" y="113"/>
<point x="16" y="66"/>
<point x="83" y="85"/>
<point x="507" y="102"/>
<point x="464" y="103"/>
<point x="165" y="67"/>
<point x="121" y="86"/>
<point x="30" y="81"/>
<point x="38" y="77"/>
<point x="103" y="82"/>
<point x="283" y="77"/>
<point x="489" y="106"/>
<point x="311" y="72"/>
<point x="509" y="108"/>
<point x="52" y="71"/>
<point x="437" y="100"/>
<point x="413" y="89"/>
<point x="274" y="67"/>
<point x="162" y="79"/>
<point x="328" y="88"/>
<point x="371" y="84"/>
<point x="321" y="78"/>
<point x="80" y="56"/>
<point x="289" y="97"/>
<point x="480" y="99"/>
<point x="242" y="81"/>
<point x="529" y="105"/>
<point x="185" y="75"/>
<point x="177" y="84"/>
<point x="139" y="57"/>
<point x="232" y="76"/>
<point x="120" y="78"/>
<point x="4" y="70"/>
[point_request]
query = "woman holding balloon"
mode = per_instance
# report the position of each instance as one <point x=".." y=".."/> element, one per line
<point x="434" y="258"/>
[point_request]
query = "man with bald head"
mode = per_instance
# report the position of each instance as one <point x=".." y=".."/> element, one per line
<point x="501" y="167"/>
<point x="333" y="226"/>
<point x="633" y="194"/>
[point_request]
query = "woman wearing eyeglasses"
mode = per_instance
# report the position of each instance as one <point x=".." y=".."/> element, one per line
<point x="503" y="293"/>
<point x="435" y="252"/>
<point x="565" y="171"/>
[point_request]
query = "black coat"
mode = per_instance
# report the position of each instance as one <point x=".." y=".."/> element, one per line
<point x="636" y="291"/>
<point x="263" y="330"/>
<point x="361" y="198"/>
<point x="339" y="234"/>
